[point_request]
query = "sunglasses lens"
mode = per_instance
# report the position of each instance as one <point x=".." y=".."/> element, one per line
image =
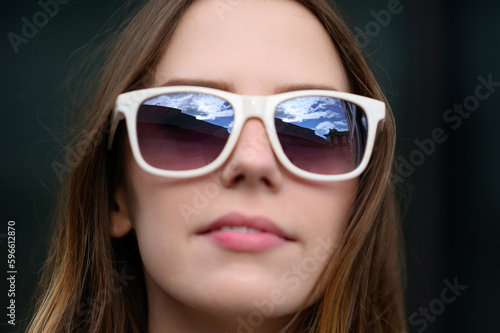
<point x="322" y="135"/>
<point x="186" y="131"/>
<point x="183" y="131"/>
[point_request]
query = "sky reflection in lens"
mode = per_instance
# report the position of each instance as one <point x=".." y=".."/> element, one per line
<point x="318" y="113"/>
<point x="208" y="108"/>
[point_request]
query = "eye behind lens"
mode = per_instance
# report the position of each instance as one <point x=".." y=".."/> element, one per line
<point x="183" y="131"/>
<point x="321" y="134"/>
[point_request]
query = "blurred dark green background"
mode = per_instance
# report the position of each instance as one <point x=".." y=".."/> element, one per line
<point x="428" y="55"/>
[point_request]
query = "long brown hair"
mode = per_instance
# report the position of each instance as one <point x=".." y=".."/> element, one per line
<point x="93" y="283"/>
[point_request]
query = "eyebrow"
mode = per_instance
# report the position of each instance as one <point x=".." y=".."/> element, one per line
<point x="303" y="86"/>
<point x="197" y="82"/>
<point x="228" y="87"/>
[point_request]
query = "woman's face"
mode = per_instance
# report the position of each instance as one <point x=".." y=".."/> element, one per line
<point x="235" y="277"/>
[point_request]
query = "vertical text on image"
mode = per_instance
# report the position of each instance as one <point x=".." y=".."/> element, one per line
<point x="11" y="272"/>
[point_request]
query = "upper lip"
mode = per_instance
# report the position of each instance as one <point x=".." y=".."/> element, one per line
<point x="241" y="220"/>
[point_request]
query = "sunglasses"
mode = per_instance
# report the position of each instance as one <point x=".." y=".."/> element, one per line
<point x="189" y="131"/>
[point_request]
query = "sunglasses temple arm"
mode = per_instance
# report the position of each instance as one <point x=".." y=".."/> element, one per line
<point x="117" y="116"/>
<point x="380" y="126"/>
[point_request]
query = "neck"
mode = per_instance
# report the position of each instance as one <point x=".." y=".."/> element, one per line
<point x="166" y="314"/>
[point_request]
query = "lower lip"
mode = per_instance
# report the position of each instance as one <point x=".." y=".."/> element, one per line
<point x="245" y="242"/>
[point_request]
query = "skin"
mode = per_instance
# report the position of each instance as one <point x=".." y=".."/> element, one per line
<point x="194" y="285"/>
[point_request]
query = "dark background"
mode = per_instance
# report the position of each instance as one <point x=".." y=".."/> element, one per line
<point x="428" y="56"/>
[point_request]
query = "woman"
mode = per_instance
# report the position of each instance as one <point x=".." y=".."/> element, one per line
<point x="247" y="190"/>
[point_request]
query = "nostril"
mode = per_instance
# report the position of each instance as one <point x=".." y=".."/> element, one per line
<point x="266" y="181"/>
<point x="239" y="179"/>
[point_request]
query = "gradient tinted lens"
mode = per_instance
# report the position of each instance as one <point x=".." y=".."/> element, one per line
<point x="322" y="135"/>
<point x="183" y="131"/>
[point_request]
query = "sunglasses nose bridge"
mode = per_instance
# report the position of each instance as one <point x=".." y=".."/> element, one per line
<point x="254" y="107"/>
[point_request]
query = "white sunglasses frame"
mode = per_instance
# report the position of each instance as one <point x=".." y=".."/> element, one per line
<point x="244" y="107"/>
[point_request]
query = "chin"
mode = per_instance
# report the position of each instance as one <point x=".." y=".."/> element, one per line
<point x="245" y="298"/>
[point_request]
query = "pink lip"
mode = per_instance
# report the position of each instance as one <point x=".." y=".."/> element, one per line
<point x="271" y="236"/>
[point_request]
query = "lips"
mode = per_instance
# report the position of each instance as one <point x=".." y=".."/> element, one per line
<point x="243" y="233"/>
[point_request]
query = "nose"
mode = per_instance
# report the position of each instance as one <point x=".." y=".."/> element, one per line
<point x="252" y="162"/>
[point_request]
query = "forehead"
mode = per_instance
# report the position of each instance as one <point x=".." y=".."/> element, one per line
<point x="252" y="47"/>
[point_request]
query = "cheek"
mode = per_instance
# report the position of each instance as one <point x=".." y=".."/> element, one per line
<point x="157" y="203"/>
<point x="156" y="216"/>
<point x="164" y="236"/>
<point x="322" y="208"/>
<point x="321" y="214"/>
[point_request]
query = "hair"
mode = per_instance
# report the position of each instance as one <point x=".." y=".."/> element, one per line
<point x="93" y="283"/>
